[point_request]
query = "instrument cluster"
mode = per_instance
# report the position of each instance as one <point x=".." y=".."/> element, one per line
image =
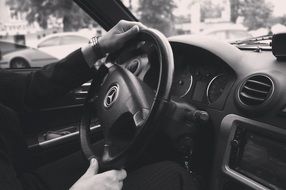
<point x="203" y="82"/>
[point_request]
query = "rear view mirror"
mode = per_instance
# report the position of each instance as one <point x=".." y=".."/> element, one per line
<point x="279" y="46"/>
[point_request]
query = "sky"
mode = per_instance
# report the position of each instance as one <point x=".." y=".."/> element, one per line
<point x="279" y="7"/>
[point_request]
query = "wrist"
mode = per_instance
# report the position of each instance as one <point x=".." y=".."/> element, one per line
<point x="97" y="48"/>
<point x="102" y="47"/>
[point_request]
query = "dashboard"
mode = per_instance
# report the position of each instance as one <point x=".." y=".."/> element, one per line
<point x="244" y="93"/>
<point x="199" y="77"/>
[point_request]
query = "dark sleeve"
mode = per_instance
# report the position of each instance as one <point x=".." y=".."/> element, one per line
<point x="37" y="89"/>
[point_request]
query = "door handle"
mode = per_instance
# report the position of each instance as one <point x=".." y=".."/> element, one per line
<point x="81" y="92"/>
<point x="87" y="84"/>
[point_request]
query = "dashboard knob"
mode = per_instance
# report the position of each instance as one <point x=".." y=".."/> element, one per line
<point x="198" y="115"/>
<point x="202" y="115"/>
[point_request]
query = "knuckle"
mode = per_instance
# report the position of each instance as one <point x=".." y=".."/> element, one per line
<point x="124" y="173"/>
<point x="122" y="21"/>
<point x="113" y="173"/>
<point x="120" y="185"/>
<point x="106" y="186"/>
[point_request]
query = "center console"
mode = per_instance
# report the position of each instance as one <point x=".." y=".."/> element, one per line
<point x="251" y="155"/>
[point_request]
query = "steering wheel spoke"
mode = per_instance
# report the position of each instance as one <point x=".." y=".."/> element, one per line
<point x="140" y="117"/>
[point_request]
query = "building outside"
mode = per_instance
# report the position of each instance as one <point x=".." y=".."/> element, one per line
<point x="192" y="10"/>
<point x="15" y="28"/>
<point x="188" y="13"/>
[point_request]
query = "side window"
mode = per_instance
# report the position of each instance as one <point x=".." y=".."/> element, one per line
<point x="44" y="27"/>
<point x="53" y="41"/>
<point x="7" y="47"/>
<point x="73" y="39"/>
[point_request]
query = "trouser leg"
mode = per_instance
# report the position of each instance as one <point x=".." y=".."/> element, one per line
<point x="14" y="157"/>
<point x="164" y="175"/>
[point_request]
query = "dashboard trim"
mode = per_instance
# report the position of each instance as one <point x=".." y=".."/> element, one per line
<point x="61" y="139"/>
<point x="228" y="127"/>
<point x="243" y="179"/>
<point x="208" y="87"/>
<point x="189" y="88"/>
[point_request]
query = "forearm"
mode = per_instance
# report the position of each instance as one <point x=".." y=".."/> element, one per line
<point x="52" y="81"/>
<point x="55" y="80"/>
<point x="38" y="88"/>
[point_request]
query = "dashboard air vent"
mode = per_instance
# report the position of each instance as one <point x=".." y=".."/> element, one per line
<point x="256" y="90"/>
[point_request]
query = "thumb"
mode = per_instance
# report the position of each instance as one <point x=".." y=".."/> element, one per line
<point x="93" y="168"/>
<point x="130" y="33"/>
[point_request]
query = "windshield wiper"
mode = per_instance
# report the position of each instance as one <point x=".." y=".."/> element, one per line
<point x="254" y="41"/>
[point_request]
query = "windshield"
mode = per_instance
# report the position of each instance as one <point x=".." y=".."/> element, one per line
<point x="228" y="20"/>
<point x="55" y="28"/>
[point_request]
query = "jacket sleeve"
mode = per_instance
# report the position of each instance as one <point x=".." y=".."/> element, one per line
<point x="36" y="89"/>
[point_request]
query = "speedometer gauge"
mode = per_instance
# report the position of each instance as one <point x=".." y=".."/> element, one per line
<point x="216" y="87"/>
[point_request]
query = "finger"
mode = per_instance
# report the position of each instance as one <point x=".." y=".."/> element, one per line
<point x="117" y="175"/>
<point x="122" y="174"/>
<point x="120" y="185"/>
<point x="139" y="24"/>
<point x="93" y="168"/>
<point x="130" y="33"/>
<point x="126" y="25"/>
<point x="114" y="185"/>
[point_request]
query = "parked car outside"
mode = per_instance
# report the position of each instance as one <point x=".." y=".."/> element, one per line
<point x="7" y="47"/>
<point x="61" y="44"/>
<point x="20" y="56"/>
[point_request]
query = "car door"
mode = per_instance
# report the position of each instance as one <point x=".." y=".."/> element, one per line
<point x="52" y="132"/>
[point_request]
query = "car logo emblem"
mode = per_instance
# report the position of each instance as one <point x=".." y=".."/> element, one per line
<point x="111" y="95"/>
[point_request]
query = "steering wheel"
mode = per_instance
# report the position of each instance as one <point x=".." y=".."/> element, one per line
<point x="128" y="109"/>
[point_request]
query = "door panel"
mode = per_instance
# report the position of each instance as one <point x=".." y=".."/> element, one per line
<point x="52" y="132"/>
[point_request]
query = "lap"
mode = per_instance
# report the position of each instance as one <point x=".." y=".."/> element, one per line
<point x="64" y="172"/>
<point x="165" y="175"/>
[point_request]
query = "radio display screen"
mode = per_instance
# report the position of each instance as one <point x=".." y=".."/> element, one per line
<point x="263" y="160"/>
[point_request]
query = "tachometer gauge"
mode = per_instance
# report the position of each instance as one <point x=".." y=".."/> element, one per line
<point x="182" y="84"/>
<point x="216" y="87"/>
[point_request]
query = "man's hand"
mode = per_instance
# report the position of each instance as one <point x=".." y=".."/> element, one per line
<point x="110" y="180"/>
<point x="118" y="35"/>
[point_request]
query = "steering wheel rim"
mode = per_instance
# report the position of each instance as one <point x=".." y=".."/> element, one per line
<point x="157" y="109"/>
